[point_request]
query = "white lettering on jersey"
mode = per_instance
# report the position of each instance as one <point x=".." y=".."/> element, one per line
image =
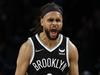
<point x="55" y="63"/>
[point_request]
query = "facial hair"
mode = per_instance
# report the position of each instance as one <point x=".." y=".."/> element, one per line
<point x="52" y="30"/>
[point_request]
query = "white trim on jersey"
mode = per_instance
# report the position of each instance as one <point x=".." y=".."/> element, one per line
<point x="50" y="50"/>
<point x="67" y="51"/>
<point x="33" y="50"/>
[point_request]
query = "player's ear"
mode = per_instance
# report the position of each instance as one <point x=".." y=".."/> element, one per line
<point x="41" y="22"/>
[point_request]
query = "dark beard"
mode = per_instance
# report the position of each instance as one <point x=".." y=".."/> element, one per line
<point x="48" y="34"/>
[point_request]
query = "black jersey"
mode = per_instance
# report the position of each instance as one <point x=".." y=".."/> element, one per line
<point x="47" y="61"/>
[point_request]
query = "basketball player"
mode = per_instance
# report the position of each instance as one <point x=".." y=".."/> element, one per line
<point x="48" y="52"/>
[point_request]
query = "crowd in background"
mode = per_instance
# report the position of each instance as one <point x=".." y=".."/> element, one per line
<point x="81" y="24"/>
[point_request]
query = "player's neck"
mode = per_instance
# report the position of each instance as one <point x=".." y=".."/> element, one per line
<point x="49" y="43"/>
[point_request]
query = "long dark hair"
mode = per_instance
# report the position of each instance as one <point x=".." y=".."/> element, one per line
<point x="37" y="26"/>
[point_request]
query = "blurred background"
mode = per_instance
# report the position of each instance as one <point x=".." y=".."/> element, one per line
<point x="81" y="24"/>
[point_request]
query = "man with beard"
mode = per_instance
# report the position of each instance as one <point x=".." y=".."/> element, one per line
<point x="48" y="52"/>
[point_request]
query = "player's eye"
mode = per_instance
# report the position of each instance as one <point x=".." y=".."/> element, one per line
<point x="50" y="19"/>
<point x="58" y="20"/>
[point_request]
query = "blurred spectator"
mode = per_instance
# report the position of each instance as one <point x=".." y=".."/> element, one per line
<point x="86" y="72"/>
<point x="85" y="36"/>
<point x="97" y="66"/>
<point x="2" y="47"/>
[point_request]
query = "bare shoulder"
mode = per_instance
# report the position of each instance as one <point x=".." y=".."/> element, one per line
<point x="26" y="46"/>
<point x="72" y="45"/>
<point x="25" y="50"/>
<point x="23" y="59"/>
<point x="73" y="52"/>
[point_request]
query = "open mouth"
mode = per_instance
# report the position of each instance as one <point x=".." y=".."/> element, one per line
<point x="53" y="32"/>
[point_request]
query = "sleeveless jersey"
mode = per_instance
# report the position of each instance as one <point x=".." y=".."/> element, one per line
<point x="47" y="61"/>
